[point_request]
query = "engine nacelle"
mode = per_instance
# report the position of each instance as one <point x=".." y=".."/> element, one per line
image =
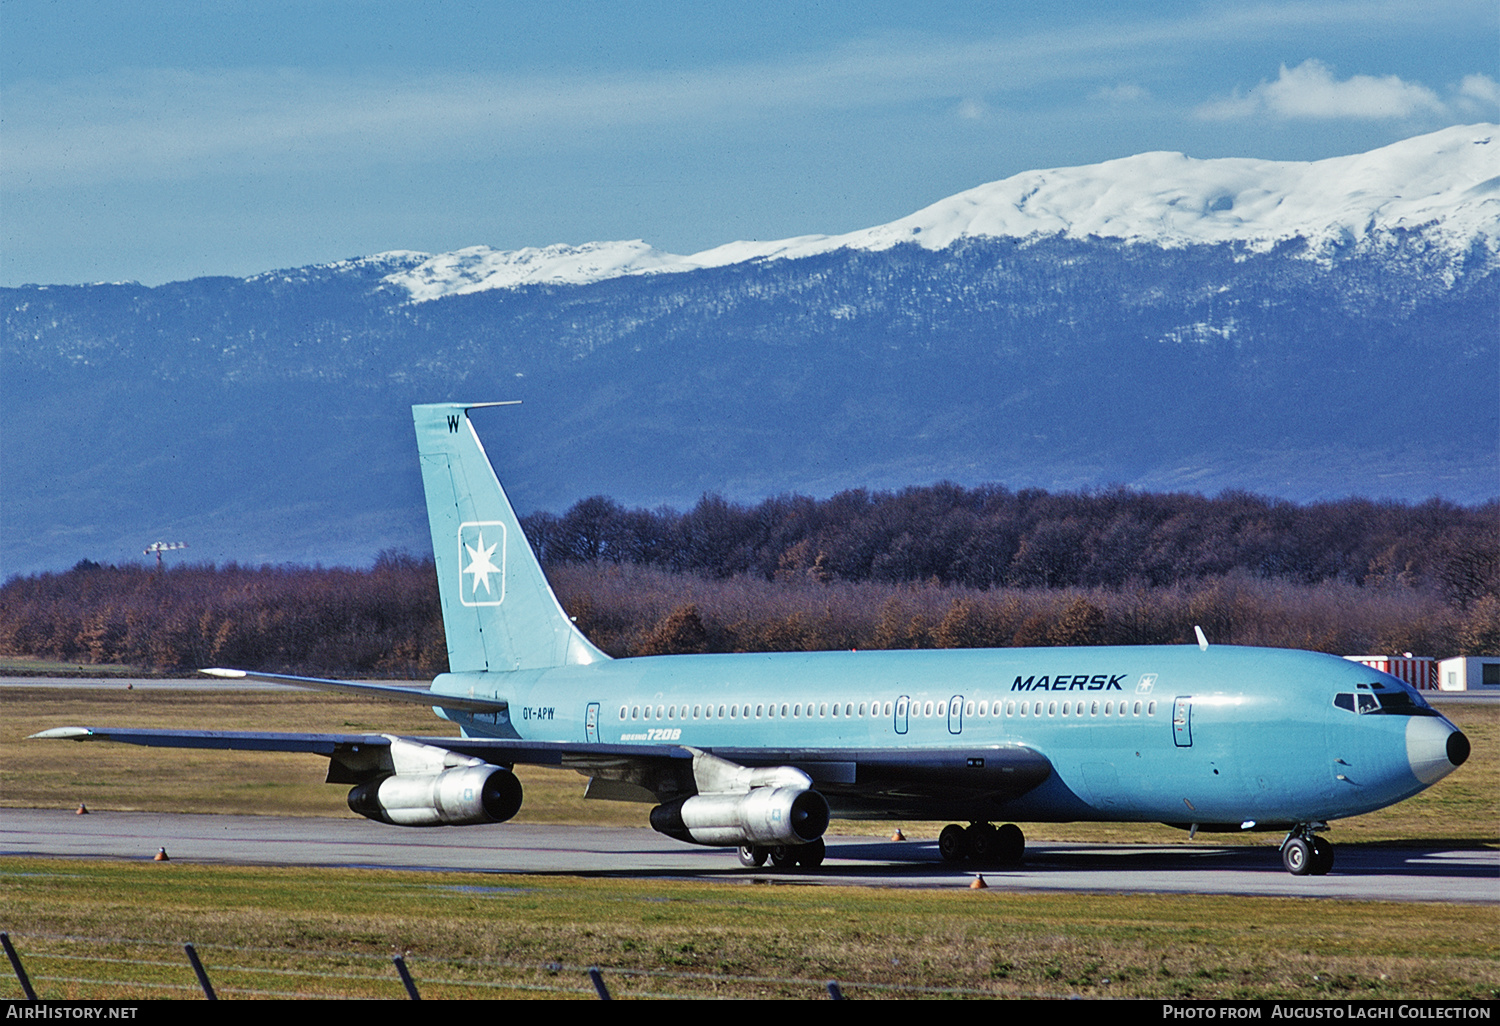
<point x="463" y="796"/>
<point x="764" y="815"/>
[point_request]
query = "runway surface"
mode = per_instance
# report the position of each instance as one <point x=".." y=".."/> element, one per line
<point x="1361" y="872"/>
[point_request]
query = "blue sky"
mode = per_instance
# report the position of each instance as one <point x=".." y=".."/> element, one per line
<point x="165" y="141"/>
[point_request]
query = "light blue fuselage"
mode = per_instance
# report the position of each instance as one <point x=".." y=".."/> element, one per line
<point x="1162" y="733"/>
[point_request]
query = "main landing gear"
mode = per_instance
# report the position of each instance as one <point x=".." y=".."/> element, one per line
<point x="783" y="856"/>
<point x="1303" y="853"/>
<point x="985" y="843"/>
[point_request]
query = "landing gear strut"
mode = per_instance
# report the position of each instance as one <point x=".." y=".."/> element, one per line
<point x="985" y="843"/>
<point x="1304" y="853"/>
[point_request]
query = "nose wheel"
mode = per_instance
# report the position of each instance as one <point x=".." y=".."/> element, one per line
<point x="1304" y="853"/>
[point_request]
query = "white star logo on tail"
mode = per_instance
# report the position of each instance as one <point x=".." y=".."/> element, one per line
<point x="481" y="567"/>
<point x="477" y="557"/>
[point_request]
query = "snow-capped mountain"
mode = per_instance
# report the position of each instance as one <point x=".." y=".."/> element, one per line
<point x="1446" y="183"/>
<point x="1302" y="330"/>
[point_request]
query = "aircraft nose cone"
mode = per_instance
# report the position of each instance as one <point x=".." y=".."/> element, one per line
<point x="1458" y="748"/>
<point x="1434" y="748"/>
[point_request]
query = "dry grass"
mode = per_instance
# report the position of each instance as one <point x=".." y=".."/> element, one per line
<point x="271" y="930"/>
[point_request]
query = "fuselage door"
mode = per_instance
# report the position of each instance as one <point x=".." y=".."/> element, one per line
<point x="956" y="714"/>
<point x="1182" y="721"/>
<point x="591" y="723"/>
<point x="901" y="710"/>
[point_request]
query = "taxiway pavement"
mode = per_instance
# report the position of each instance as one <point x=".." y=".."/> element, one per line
<point x="1362" y="872"/>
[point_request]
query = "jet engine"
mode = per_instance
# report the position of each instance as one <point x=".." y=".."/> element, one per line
<point x="763" y="815"/>
<point x="463" y="796"/>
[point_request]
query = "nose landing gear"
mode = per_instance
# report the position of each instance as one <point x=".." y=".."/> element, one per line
<point x="1303" y="853"/>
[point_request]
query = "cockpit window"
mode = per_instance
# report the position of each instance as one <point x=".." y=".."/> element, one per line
<point x="1388" y="700"/>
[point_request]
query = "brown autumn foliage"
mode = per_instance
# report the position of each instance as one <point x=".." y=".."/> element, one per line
<point x="383" y="620"/>
<point x="746" y="614"/>
<point x="939" y="567"/>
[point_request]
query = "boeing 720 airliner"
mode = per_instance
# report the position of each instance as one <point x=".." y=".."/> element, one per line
<point x="758" y="751"/>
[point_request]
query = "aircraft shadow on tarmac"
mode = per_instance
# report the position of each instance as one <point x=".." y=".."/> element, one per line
<point x="1353" y="859"/>
<point x="1470" y="859"/>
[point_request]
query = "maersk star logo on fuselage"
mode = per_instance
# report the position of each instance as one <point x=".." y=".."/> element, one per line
<point x="481" y="555"/>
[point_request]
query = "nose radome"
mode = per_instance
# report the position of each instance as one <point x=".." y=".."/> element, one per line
<point x="1434" y="748"/>
<point x="1458" y="748"/>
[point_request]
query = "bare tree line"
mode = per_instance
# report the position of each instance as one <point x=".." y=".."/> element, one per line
<point x="937" y="567"/>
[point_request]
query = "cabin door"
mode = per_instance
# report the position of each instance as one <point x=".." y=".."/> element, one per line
<point x="1182" y="721"/>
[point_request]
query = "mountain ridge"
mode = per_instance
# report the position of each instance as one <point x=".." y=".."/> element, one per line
<point x="266" y="419"/>
<point x="1449" y="179"/>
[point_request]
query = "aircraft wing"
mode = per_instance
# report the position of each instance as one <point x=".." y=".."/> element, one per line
<point x="858" y="779"/>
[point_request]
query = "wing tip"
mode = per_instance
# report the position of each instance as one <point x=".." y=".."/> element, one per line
<point x="68" y="733"/>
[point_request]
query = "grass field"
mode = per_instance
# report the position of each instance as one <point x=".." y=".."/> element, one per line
<point x="96" y="930"/>
<point x="115" y="929"/>
<point x="24" y="666"/>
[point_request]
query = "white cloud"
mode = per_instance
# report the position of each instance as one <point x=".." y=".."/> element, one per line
<point x="1310" y="92"/>
<point x="1480" y="89"/>
<point x="1124" y="93"/>
<point x="971" y="110"/>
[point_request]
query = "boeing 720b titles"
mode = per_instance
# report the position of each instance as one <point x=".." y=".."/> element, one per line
<point x="757" y="751"/>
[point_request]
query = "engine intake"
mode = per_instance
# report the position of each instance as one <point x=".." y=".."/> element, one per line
<point x="764" y="815"/>
<point x="463" y="796"/>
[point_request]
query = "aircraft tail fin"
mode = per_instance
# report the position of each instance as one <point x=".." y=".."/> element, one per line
<point x="499" y="612"/>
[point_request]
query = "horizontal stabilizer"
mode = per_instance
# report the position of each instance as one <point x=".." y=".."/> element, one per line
<point x="413" y="695"/>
